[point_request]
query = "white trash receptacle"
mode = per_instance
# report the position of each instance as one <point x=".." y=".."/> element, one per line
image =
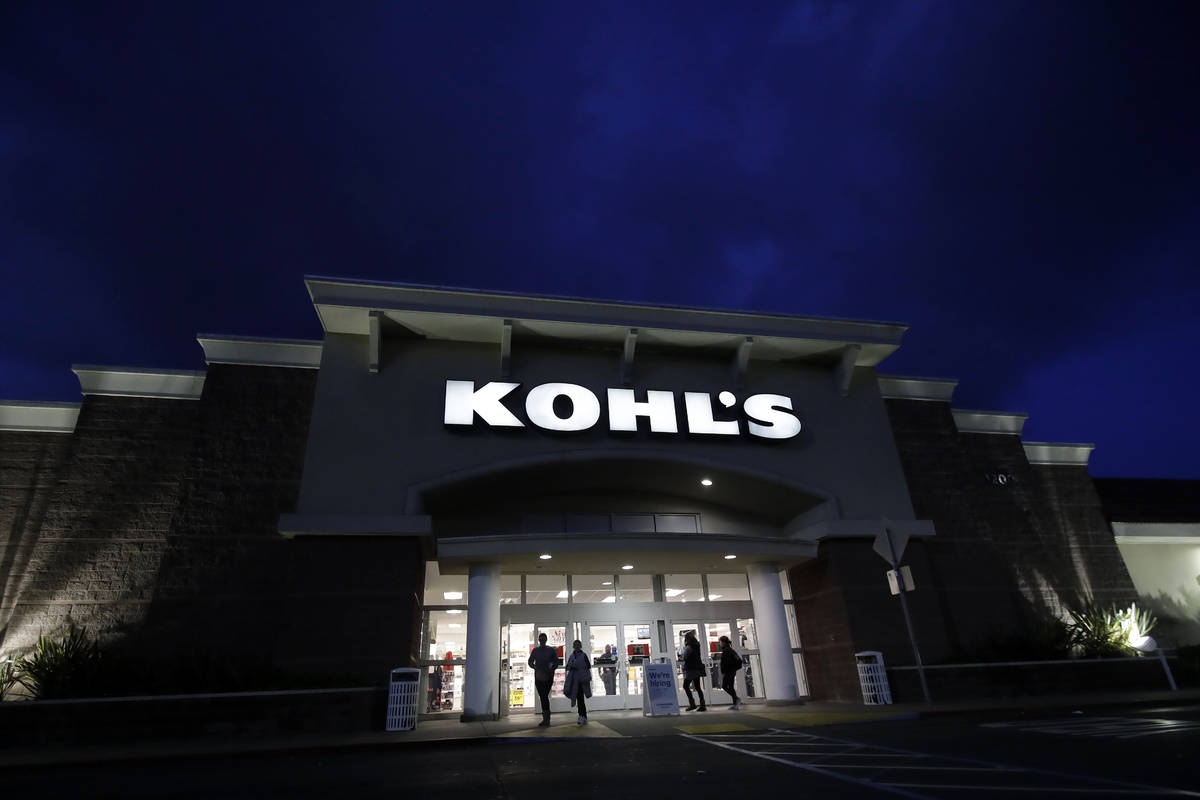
<point x="402" y="699"/>
<point x="872" y="677"/>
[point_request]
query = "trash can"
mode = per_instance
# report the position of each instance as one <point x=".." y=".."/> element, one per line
<point x="873" y="678"/>
<point x="402" y="699"/>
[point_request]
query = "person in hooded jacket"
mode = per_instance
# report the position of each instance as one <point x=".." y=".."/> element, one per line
<point x="578" y="685"/>
<point x="693" y="671"/>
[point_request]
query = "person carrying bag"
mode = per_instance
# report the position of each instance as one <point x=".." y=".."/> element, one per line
<point x="731" y="662"/>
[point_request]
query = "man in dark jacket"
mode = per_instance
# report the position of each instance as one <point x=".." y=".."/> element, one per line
<point x="731" y="662"/>
<point x="544" y="660"/>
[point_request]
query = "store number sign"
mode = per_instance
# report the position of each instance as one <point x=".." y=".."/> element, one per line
<point x="568" y="407"/>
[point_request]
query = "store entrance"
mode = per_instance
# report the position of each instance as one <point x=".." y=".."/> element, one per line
<point x="617" y="651"/>
<point x="709" y="633"/>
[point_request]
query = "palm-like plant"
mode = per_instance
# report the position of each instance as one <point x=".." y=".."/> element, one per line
<point x="59" y="668"/>
<point x="1099" y="632"/>
<point x="10" y="676"/>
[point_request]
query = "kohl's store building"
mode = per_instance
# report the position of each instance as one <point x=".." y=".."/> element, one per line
<point x="449" y="473"/>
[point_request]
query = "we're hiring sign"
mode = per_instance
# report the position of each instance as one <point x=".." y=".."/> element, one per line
<point x="569" y="407"/>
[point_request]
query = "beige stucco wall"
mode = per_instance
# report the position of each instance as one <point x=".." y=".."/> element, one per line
<point x="1164" y="562"/>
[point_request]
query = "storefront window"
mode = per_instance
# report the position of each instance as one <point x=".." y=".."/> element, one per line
<point x="746" y="634"/>
<point x="785" y="584"/>
<point x="510" y="590"/>
<point x="636" y="588"/>
<point x="592" y="589"/>
<point x="793" y="628"/>
<point x="728" y="586"/>
<point x="443" y="590"/>
<point x="445" y="638"/>
<point x="545" y="589"/>
<point x="682" y="588"/>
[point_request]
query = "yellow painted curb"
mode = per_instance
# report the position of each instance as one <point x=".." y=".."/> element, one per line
<point x="727" y="728"/>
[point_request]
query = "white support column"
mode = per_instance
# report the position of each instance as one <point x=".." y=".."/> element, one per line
<point x="481" y="683"/>
<point x="770" y="623"/>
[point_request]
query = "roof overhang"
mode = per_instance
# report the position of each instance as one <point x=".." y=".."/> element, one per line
<point x="345" y="307"/>
<point x="167" y="384"/>
<point x="1059" y="455"/>
<point x="999" y="422"/>
<point x="37" y="417"/>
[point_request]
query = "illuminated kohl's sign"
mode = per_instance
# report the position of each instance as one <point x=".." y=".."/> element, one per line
<point x="570" y="407"/>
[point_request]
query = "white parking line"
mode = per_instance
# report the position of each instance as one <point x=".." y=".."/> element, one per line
<point x="1102" y="727"/>
<point x="821" y="755"/>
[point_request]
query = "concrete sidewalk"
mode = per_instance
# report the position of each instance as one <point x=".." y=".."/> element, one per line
<point x="602" y="724"/>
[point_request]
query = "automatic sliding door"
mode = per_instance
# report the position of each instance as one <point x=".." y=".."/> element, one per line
<point x="556" y="637"/>
<point x="637" y="652"/>
<point x="603" y="649"/>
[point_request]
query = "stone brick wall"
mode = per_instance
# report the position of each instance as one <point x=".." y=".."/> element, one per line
<point x="1002" y="551"/>
<point x="154" y="525"/>
<point x="30" y="464"/>
<point x="91" y="553"/>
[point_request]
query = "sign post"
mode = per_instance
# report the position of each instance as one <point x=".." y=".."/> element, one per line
<point x="659" y="698"/>
<point x="891" y="546"/>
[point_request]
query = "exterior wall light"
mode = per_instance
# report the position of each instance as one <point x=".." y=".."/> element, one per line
<point x="545" y="556"/>
<point x="730" y="557"/>
<point x="706" y="482"/>
<point x="627" y="566"/>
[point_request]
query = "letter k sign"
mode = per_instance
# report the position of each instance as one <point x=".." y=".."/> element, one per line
<point x="463" y="402"/>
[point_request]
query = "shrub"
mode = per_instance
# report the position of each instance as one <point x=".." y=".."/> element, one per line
<point x="10" y="676"/>
<point x="59" y="668"/>
<point x="1098" y="632"/>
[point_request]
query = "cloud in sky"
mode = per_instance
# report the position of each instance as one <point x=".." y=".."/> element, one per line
<point x="1015" y="180"/>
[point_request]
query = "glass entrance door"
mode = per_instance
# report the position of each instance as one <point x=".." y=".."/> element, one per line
<point x="559" y="637"/>
<point x="603" y="647"/>
<point x="711" y="645"/>
<point x="636" y="650"/>
<point x="617" y="651"/>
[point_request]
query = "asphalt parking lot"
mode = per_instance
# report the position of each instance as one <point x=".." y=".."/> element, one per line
<point x="1125" y="752"/>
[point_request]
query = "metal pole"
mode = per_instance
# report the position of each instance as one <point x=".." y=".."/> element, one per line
<point x="912" y="638"/>
<point x="1162" y="657"/>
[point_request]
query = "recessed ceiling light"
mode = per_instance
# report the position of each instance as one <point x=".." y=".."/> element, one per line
<point x="454" y="611"/>
<point x="713" y="596"/>
<point x="606" y="583"/>
<point x="674" y="592"/>
<point x="454" y="625"/>
<point x="545" y="556"/>
<point x="730" y="556"/>
<point x="706" y="482"/>
<point x="452" y="595"/>
<point x="627" y="566"/>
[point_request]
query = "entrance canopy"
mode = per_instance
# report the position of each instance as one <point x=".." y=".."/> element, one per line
<point x="600" y="512"/>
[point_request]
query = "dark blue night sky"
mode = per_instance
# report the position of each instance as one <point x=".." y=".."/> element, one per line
<point x="1016" y="181"/>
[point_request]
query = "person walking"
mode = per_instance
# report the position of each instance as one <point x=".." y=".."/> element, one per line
<point x="544" y="660"/>
<point x="693" y="671"/>
<point x="578" y="684"/>
<point x="731" y="662"/>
